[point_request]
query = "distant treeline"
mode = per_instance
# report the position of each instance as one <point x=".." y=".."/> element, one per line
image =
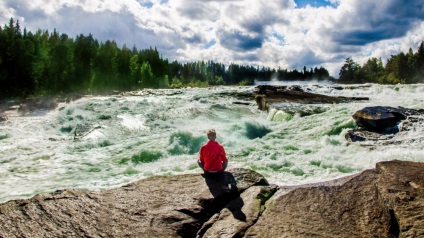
<point x="50" y="63"/>
<point x="401" y="68"/>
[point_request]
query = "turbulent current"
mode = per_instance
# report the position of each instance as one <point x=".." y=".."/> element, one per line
<point x="102" y="142"/>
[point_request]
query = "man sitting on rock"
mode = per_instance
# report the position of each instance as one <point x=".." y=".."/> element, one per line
<point x="212" y="158"/>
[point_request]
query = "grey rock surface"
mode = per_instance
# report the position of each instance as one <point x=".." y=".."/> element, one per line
<point x="384" y="202"/>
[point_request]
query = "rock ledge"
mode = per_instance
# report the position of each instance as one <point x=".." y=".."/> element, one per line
<point x="384" y="202"/>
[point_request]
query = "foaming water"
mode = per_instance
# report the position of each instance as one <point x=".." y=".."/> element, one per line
<point x="102" y="142"/>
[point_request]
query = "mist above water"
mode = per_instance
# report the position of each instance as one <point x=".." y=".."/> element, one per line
<point x="102" y="142"/>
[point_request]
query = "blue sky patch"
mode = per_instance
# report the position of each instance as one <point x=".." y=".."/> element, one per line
<point x="312" y="3"/>
<point x="209" y="44"/>
<point x="280" y="38"/>
<point x="147" y="4"/>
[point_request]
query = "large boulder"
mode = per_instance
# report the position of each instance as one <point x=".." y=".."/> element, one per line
<point x="384" y="202"/>
<point x="377" y="118"/>
<point x="380" y="123"/>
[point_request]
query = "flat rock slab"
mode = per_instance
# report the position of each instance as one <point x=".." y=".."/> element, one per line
<point x="268" y="94"/>
<point x="161" y="206"/>
<point x="384" y="202"/>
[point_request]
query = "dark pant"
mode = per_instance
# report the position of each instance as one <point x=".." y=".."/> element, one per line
<point x="201" y="165"/>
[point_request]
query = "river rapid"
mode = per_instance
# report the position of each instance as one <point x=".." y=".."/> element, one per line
<point x="100" y="142"/>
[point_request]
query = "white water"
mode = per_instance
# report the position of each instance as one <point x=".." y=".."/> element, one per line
<point x="38" y="153"/>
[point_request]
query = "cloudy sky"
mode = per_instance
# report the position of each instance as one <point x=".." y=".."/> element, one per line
<point x="277" y="33"/>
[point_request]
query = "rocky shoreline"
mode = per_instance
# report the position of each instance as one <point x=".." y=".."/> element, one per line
<point x="387" y="201"/>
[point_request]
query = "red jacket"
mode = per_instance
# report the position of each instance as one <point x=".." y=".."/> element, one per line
<point x="212" y="155"/>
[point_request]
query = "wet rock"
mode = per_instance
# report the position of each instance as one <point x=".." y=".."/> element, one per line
<point x="384" y="202"/>
<point x="268" y="94"/>
<point x="379" y="118"/>
<point x="364" y="135"/>
<point x="3" y="117"/>
<point x="383" y="123"/>
<point x="242" y="103"/>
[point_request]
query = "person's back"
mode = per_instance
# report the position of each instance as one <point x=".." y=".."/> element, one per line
<point x="212" y="157"/>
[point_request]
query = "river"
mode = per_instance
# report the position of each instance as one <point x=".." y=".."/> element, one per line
<point x="100" y="142"/>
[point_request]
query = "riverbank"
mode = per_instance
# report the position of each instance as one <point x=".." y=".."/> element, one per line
<point x="387" y="201"/>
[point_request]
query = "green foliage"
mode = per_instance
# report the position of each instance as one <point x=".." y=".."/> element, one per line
<point x="52" y="63"/>
<point x="350" y="72"/>
<point x="135" y="73"/>
<point x="176" y="83"/>
<point x="147" y="78"/>
<point x="373" y="69"/>
<point x="197" y="83"/>
<point x="163" y="82"/>
<point x="389" y="79"/>
<point x="400" y="68"/>
<point x="246" y="82"/>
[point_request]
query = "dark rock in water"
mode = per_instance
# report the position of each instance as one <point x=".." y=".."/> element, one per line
<point x="377" y="123"/>
<point x="364" y="135"/>
<point x="352" y="136"/>
<point x="241" y="103"/>
<point x="269" y="94"/>
<point x="378" y="119"/>
<point x="336" y="87"/>
<point x="3" y="117"/>
<point x="384" y="202"/>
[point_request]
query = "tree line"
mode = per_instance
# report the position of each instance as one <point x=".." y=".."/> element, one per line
<point x="403" y="68"/>
<point x="51" y="63"/>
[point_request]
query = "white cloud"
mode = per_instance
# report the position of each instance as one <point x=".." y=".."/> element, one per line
<point x="257" y="32"/>
<point x="6" y="13"/>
